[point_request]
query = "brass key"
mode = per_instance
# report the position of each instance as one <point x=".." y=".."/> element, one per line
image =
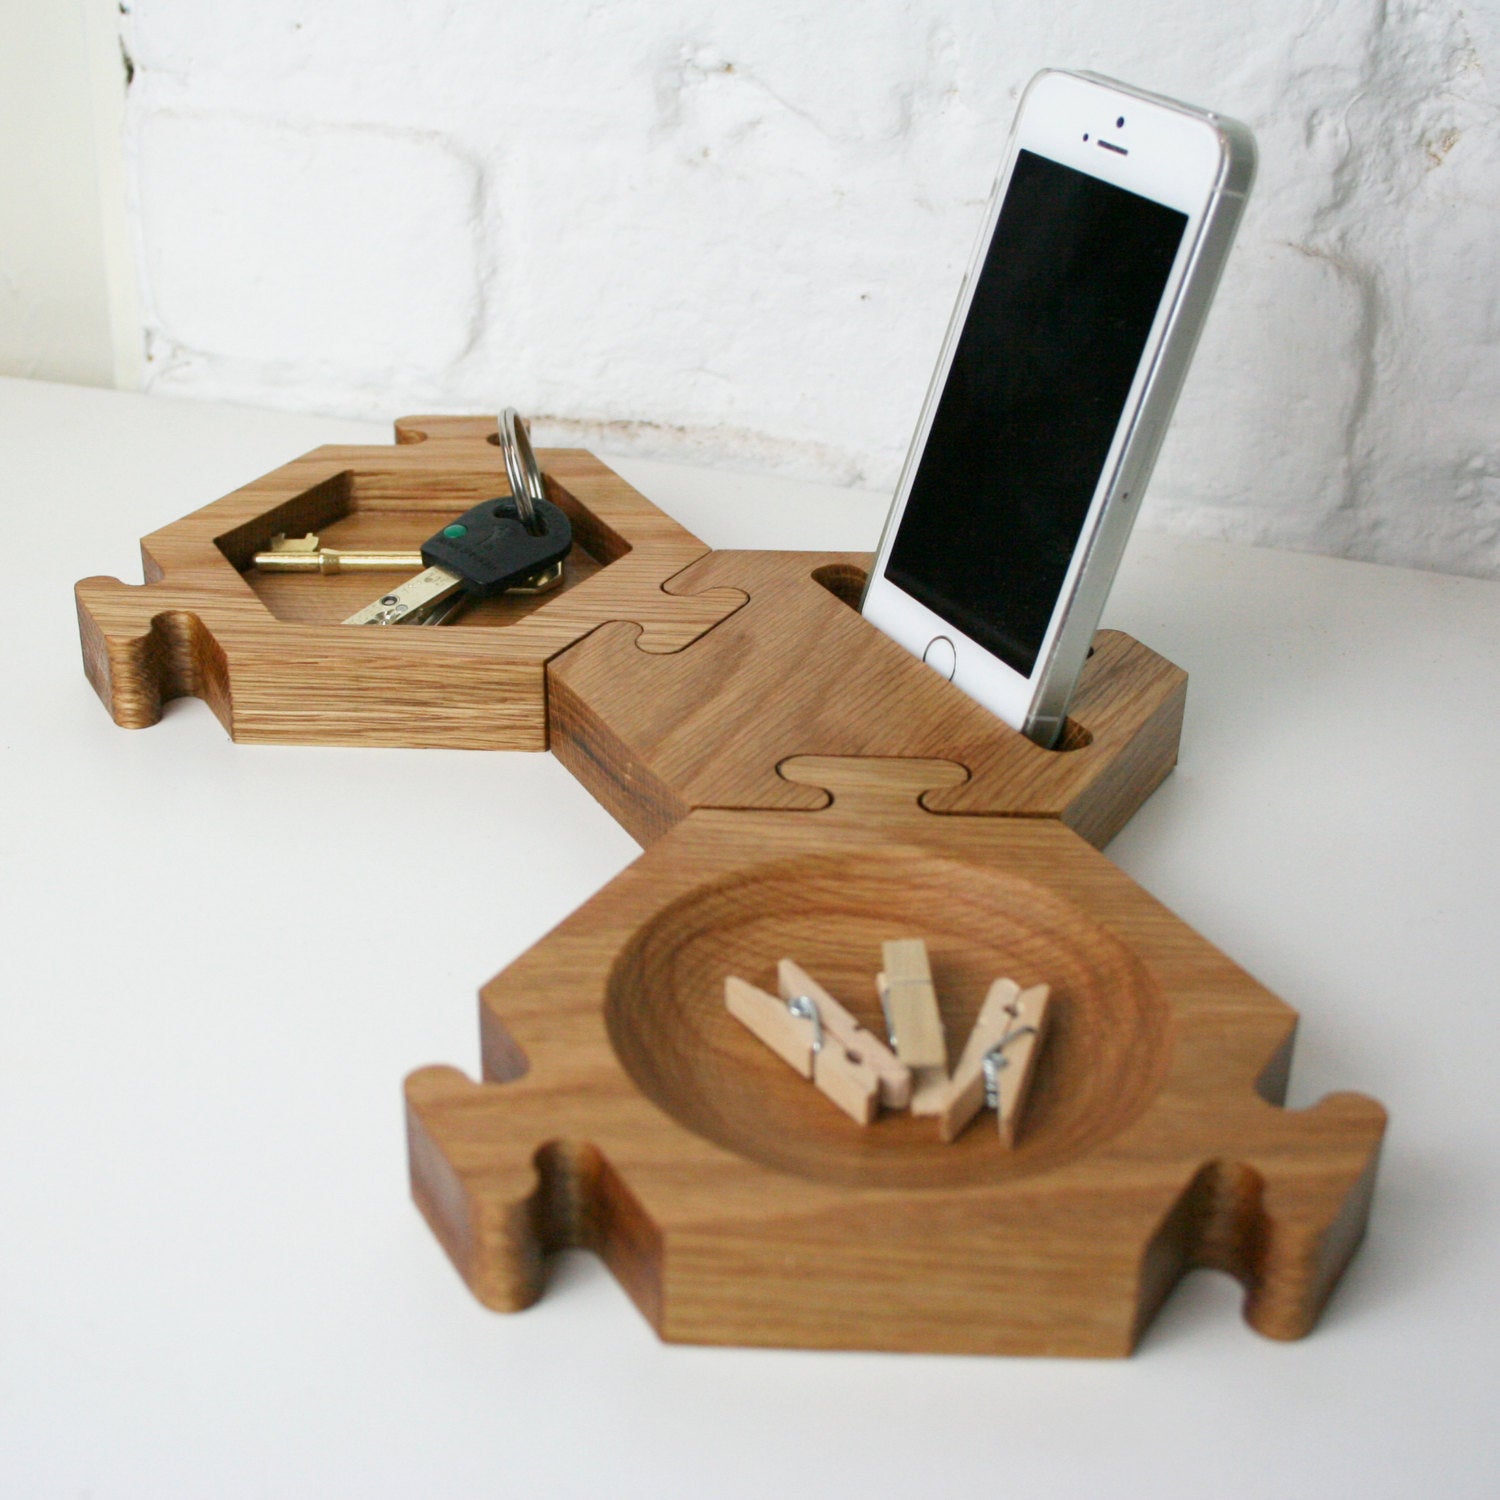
<point x="302" y="554"/>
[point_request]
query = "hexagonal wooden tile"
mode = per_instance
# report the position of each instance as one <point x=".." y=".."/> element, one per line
<point x="629" y="1113"/>
<point x="269" y="654"/>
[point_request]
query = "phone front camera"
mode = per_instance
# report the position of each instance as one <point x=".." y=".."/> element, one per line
<point x="1120" y="123"/>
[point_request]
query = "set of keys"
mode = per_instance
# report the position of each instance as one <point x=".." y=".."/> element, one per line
<point x="513" y="543"/>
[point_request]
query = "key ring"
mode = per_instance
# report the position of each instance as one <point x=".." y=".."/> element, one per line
<point x="521" y="468"/>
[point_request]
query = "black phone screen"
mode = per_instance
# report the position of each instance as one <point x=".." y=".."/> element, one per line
<point x="1060" y="315"/>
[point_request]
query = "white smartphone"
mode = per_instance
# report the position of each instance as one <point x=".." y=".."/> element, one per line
<point x="1109" y="224"/>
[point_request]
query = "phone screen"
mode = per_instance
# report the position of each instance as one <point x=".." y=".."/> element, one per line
<point x="1059" y="318"/>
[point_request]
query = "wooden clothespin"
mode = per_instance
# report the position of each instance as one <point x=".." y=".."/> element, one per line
<point x="913" y="1020"/>
<point x="865" y="1046"/>
<point x="1012" y="1063"/>
<point x="910" y="1004"/>
<point x="999" y="1060"/>
<point x="964" y="1097"/>
<point x="797" y="1034"/>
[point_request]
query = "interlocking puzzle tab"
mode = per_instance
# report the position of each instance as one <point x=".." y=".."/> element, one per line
<point x="798" y="672"/>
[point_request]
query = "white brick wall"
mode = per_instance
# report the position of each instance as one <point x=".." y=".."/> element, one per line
<point x="733" y="233"/>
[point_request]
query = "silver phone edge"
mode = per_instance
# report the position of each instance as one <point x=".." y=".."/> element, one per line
<point x="1084" y="604"/>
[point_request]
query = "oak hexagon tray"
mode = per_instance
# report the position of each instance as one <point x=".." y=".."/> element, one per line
<point x="626" y="1112"/>
<point x="268" y="653"/>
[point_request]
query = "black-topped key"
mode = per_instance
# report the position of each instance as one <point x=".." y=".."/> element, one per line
<point x="484" y="552"/>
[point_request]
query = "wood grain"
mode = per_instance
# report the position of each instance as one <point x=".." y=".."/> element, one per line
<point x="799" y="672"/>
<point x="735" y="1206"/>
<point x="267" y="650"/>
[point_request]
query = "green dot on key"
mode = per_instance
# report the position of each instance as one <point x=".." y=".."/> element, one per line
<point x="455" y="531"/>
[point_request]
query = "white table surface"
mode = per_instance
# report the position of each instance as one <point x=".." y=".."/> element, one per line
<point x="220" y="962"/>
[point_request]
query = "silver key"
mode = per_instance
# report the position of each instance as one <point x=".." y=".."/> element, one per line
<point x="414" y="602"/>
<point x="517" y="540"/>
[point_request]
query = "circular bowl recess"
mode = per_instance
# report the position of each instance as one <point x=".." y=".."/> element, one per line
<point x="830" y="913"/>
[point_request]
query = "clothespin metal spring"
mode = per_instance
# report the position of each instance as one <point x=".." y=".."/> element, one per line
<point x="995" y="1059"/>
<point x="805" y="1008"/>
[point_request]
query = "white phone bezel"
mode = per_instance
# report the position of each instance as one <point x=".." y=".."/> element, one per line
<point x="1177" y="157"/>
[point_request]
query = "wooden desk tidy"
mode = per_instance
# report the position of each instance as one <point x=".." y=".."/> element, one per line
<point x="805" y="788"/>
